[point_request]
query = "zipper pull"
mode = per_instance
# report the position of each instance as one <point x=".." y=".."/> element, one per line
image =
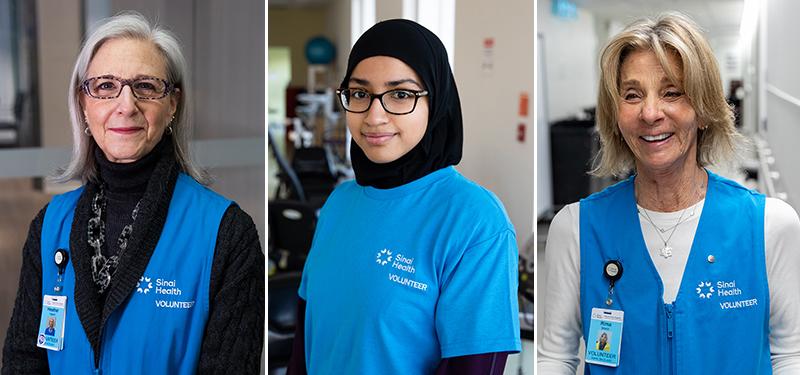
<point x="670" y="321"/>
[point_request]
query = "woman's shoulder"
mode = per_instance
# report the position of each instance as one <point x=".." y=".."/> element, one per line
<point x="780" y="216"/>
<point x="461" y="190"/>
<point x="187" y="183"/>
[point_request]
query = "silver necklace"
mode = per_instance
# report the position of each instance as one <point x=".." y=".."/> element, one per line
<point x="103" y="268"/>
<point x="666" y="251"/>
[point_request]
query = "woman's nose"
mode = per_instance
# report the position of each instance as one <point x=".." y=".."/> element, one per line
<point x="651" y="111"/>
<point x="126" y="101"/>
<point x="376" y="115"/>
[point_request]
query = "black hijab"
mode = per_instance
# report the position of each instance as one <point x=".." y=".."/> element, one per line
<point x="441" y="144"/>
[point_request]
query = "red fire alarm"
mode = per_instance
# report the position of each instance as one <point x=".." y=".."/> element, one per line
<point x="521" y="132"/>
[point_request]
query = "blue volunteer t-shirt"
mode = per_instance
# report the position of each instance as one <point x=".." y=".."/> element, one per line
<point x="398" y="279"/>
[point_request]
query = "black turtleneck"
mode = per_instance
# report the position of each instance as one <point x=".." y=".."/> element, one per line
<point x="125" y="184"/>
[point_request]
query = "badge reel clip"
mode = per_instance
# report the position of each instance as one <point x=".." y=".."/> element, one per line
<point x="61" y="258"/>
<point x="613" y="272"/>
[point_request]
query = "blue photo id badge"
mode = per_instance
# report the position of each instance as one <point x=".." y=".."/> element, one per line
<point x="51" y="327"/>
<point x="605" y="337"/>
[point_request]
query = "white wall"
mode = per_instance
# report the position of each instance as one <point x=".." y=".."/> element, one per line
<point x="728" y="54"/>
<point x="783" y="117"/>
<point x="388" y="9"/>
<point x="59" y="38"/>
<point x="339" y="26"/>
<point x="490" y="102"/>
<point x="570" y="50"/>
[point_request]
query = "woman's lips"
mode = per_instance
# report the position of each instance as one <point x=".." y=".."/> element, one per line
<point x="657" y="140"/>
<point x="377" y="139"/>
<point x="126" y="130"/>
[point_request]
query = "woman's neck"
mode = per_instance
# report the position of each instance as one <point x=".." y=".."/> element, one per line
<point x="128" y="181"/>
<point x="669" y="191"/>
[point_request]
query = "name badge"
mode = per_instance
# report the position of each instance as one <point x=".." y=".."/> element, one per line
<point x="51" y="326"/>
<point x="605" y="337"/>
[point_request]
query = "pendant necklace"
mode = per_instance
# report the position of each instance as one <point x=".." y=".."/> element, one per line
<point x="666" y="251"/>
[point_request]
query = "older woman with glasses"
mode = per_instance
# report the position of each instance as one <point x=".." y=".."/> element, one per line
<point x="143" y="269"/>
<point x="413" y="267"/>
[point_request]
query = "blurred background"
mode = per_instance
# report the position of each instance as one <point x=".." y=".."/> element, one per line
<point x="490" y="46"/>
<point x="39" y="41"/>
<point x="756" y="48"/>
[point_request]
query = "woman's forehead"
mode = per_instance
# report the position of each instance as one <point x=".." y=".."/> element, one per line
<point x="640" y="63"/>
<point x="127" y="58"/>
<point x="384" y="71"/>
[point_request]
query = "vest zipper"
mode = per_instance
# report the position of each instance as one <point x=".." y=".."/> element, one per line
<point x="670" y="337"/>
<point x="99" y="369"/>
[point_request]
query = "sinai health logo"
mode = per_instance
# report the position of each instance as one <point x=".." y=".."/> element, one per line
<point x="705" y="289"/>
<point x="728" y="291"/>
<point x="166" y="291"/>
<point x="384" y="256"/>
<point x="402" y="263"/>
<point x="144" y="285"/>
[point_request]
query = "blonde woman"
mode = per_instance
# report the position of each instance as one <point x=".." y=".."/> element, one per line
<point x="688" y="262"/>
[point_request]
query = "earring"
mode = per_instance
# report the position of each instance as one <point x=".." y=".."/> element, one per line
<point x="169" y="130"/>
<point x="87" y="131"/>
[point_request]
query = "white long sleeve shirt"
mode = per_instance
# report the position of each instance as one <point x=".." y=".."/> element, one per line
<point x="562" y="329"/>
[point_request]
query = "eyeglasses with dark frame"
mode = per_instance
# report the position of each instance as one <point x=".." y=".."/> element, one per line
<point x="399" y="102"/>
<point x="110" y="87"/>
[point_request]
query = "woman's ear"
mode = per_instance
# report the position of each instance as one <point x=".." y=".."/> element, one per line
<point x="174" y="98"/>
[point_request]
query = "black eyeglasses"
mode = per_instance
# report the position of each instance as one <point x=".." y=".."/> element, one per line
<point x="396" y="102"/>
<point x="110" y="87"/>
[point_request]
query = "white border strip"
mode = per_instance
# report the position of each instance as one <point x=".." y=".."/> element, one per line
<point x="783" y="95"/>
<point x="216" y="153"/>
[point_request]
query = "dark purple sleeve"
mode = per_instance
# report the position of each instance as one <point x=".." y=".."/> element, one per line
<point x="297" y="364"/>
<point x="476" y="364"/>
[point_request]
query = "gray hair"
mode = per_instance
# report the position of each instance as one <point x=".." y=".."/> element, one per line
<point x="128" y="26"/>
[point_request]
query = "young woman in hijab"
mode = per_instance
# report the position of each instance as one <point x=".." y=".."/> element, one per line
<point x="413" y="266"/>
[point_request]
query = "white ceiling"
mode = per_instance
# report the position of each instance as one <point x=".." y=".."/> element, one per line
<point x="719" y="18"/>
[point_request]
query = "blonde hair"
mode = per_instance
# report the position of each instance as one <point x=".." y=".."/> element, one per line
<point x="670" y="33"/>
<point x="129" y="25"/>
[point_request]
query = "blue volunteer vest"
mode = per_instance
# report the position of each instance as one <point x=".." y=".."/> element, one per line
<point x="719" y="321"/>
<point x="159" y="328"/>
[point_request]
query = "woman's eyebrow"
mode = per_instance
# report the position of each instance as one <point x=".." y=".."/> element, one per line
<point x="629" y="83"/>
<point x="364" y="82"/>
<point x="401" y="81"/>
<point x="359" y="81"/>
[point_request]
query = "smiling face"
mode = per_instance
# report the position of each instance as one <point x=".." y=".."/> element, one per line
<point x="385" y="137"/>
<point x="656" y="118"/>
<point x="126" y="128"/>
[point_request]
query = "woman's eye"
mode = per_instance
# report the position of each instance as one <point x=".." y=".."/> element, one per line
<point x="106" y="85"/>
<point x="401" y="94"/>
<point x="630" y="96"/>
<point x="358" y="95"/>
<point x="145" y="86"/>
<point x="673" y="94"/>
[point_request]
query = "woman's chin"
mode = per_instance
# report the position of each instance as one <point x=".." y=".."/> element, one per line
<point x="123" y="156"/>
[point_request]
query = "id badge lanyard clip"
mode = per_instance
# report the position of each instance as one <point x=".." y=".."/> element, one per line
<point x="613" y="272"/>
<point x="61" y="257"/>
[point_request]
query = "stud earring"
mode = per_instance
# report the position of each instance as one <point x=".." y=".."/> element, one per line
<point x="87" y="131"/>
